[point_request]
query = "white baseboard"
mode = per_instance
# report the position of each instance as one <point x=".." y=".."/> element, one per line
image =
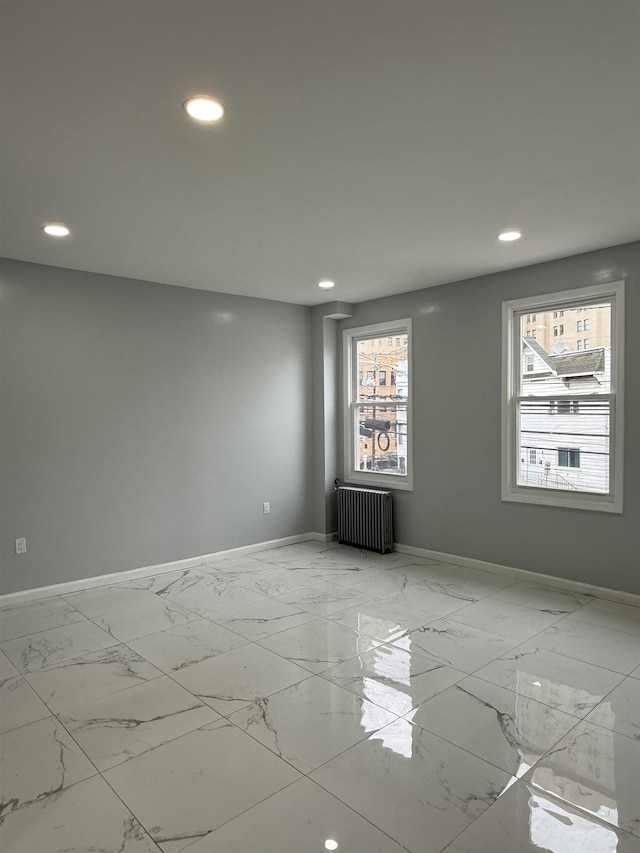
<point x="66" y="587"/>
<point x="324" y="537"/>
<point x="522" y="574"/>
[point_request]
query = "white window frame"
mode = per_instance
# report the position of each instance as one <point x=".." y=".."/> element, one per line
<point x="353" y="475"/>
<point x="512" y="312"/>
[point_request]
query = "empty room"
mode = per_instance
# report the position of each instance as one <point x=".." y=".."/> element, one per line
<point x="319" y="426"/>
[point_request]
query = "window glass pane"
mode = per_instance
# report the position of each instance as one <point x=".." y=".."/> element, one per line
<point x="385" y="368"/>
<point x="381" y="438"/>
<point x="571" y="445"/>
<point x="562" y="362"/>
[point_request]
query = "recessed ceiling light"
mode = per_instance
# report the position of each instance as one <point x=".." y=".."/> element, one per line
<point x="330" y="844"/>
<point x="509" y="236"/>
<point x="204" y="109"/>
<point x="56" y="230"/>
<point x="326" y="284"/>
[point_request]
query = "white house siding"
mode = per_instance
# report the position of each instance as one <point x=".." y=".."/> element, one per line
<point x="565" y="422"/>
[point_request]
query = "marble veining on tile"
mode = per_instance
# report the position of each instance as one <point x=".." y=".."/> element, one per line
<point x="183" y="645"/>
<point x="237" y="678"/>
<point x="147" y="617"/>
<point x="620" y="710"/>
<point x="564" y="683"/>
<point x="47" y="649"/>
<point x="21" y="619"/>
<point x="527" y="820"/>
<point x="118" y="727"/>
<point x="596" y="644"/>
<point x="550" y="599"/>
<point x="324" y="598"/>
<point x="85" y="818"/>
<point x="303" y="816"/>
<point x="455" y="644"/>
<point x="19" y="704"/>
<point x="431" y="601"/>
<point x="382" y="620"/>
<point x="413" y="785"/>
<point x="37" y="761"/>
<point x="270" y="582"/>
<point x="506" y="619"/>
<point x="610" y="614"/>
<point x="597" y="771"/>
<point x="215" y="774"/>
<point x="493" y="723"/>
<point x="457" y="582"/>
<point x="318" y="645"/>
<point x="264" y="618"/>
<point x="90" y="676"/>
<point x="310" y="722"/>
<point x="110" y="599"/>
<point x="431" y="707"/>
<point x="393" y="678"/>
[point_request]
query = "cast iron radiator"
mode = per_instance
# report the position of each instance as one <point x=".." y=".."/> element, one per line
<point x="365" y="518"/>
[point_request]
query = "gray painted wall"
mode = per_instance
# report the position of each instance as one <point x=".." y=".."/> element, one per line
<point x="325" y="350"/>
<point x="455" y="507"/>
<point x="143" y="423"/>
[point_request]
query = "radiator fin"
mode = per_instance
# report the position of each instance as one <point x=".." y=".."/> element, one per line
<point x="365" y="518"/>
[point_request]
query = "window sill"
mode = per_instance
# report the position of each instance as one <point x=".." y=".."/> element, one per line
<point x="583" y="500"/>
<point x="389" y="482"/>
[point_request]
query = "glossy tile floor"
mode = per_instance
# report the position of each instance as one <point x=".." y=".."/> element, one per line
<point x="317" y="697"/>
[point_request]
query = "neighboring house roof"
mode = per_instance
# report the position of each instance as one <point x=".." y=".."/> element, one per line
<point x="570" y="364"/>
<point x="586" y="362"/>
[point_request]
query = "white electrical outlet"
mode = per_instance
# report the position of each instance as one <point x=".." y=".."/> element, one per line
<point x="21" y="546"/>
<point x="266" y="507"/>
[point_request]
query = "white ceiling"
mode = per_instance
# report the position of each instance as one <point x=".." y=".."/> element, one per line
<point x="380" y="144"/>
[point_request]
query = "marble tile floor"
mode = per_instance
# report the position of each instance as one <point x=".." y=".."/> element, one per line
<point x="317" y="697"/>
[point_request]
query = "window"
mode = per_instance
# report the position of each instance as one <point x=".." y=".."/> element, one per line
<point x="568" y="457"/>
<point x="564" y="407"/>
<point x="586" y="324"/>
<point x="529" y="363"/>
<point x="570" y="411"/>
<point x="378" y="440"/>
<point x="579" y="326"/>
<point x="555" y="331"/>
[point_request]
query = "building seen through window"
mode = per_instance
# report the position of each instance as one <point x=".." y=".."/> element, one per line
<point x="381" y="404"/>
<point x="564" y="441"/>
